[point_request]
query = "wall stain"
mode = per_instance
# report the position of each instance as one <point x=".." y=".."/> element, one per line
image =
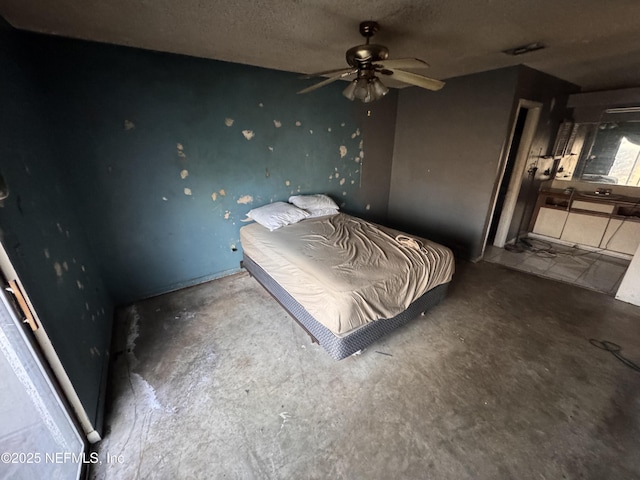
<point x="343" y="151"/>
<point x="277" y="123"/>
<point x="228" y="122"/>
<point x="227" y="214"/>
<point x="187" y="191"/>
<point x="214" y="196"/>
<point x="222" y="192"/>
<point x="298" y="124"/>
<point x="184" y="174"/>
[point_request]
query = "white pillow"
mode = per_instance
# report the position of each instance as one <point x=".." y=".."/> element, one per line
<point x="321" y="212"/>
<point x="313" y="202"/>
<point x="276" y="215"/>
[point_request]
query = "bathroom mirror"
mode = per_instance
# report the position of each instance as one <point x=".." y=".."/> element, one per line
<point x="607" y="152"/>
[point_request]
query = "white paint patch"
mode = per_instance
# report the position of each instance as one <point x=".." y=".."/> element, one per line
<point x="287" y="183"/>
<point x="357" y="159"/>
<point x="311" y="132"/>
<point x="187" y="191"/>
<point x="298" y="124"/>
<point x="330" y="177"/>
<point x="277" y="123"/>
<point x="58" y="268"/>
<point x="184" y="174"/>
<point x="245" y="199"/>
<point x="342" y="124"/>
<point x="329" y="129"/>
<point x="352" y="182"/>
<point x="59" y="227"/>
<point x="227" y="214"/>
<point x="86" y="305"/>
<point x="271" y="148"/>
<point x="214" y="196"/>
<point x="67" y="233"/>
<point x="83" y="268"/>
<point x="46" y="253"/>
<point x="361" y="153"/>
<point x="342" y="180"/>
<point x="368" y="207"/>
<point x="65" y="265"/>
<point x="344" y="194"/>
<point x="343" y="151"/>
<point x="336" y="174"/>
<point x="248" y="134"/>
<point x="228" y="122"/>
<point x="165" y="198"/>
<point x="80" y="285"/>
<point x="129" y="125"/>
<point x="179" y="146"/>
<point x="361" y="146"/>
<point x="353" y="135"/>
<point x="222" y="192"/>
<point x="261" y="104"/>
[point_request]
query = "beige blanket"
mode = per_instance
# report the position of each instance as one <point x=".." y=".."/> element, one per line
<point x="345" y="271"/>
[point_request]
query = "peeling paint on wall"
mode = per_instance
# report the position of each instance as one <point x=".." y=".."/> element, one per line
<point x="65" y="265"/>
<point x="298" y="124"/>
<point x="184" y="174"/>
<point x="343" y="151"/>
<point x="248" y="134"/>
<point x="58" y="269"/>
<point x="46" y="253"/>
<point x="129" y="125"/>
<point x="311" y="132"/>
<point x="342" y="181"/>
<point x="227" y="214"/>
<point x="187" y="191"/>
<point x="80" y="285"/>
<point x="271" y="148"/>
<point x="261" y="104"/>
<point x="82" y="267"/>
<point x="287" y="183"/>
<point x="277" y="123"/>
<point x="368" y="207"/>
<point x="222" y="192"/>
<point x="214" y="196"/>
<point x="245" y="199"/>
<point x="165" y="198"/>
<point x="181" y="153"/>
<point x="228" y="122"/>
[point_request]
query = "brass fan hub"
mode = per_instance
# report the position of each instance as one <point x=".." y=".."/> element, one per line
<point x="362" y="56"/>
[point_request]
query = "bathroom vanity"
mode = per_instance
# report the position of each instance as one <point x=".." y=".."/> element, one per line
<point x="607" y="222"/>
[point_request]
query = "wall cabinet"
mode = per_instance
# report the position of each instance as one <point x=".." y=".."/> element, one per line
<point x="601" y="223"/>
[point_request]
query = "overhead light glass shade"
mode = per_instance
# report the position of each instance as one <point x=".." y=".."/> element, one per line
<point x="365" y="89"/>
<point x="379" y="88"/>
<point x="350" y="91"/>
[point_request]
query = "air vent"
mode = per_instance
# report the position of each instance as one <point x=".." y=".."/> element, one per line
<point x="532" y="47"/>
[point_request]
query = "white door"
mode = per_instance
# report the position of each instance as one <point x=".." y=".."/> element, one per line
<point x="37" y="437"/>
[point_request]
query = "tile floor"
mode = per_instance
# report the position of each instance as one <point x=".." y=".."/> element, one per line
<point x="591" y="270"/>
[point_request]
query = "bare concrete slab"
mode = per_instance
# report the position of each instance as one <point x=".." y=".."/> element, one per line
<point x="499" y="381"/>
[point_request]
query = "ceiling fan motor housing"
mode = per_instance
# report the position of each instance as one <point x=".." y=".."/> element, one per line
<point x="362" y="56"/>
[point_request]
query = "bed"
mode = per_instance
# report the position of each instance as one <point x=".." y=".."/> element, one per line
<point x="346" y="281"/>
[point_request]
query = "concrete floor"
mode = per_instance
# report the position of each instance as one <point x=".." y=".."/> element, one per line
<point x="499" y="381"/>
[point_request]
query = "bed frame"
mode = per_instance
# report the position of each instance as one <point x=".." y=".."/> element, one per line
<point x="342" y="347"/>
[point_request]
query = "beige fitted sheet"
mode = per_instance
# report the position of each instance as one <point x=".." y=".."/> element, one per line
<point x="347" y="272"/>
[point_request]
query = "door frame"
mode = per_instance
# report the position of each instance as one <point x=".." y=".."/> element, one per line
<point x="534" y="109"/>
<point x="50" y="356"/>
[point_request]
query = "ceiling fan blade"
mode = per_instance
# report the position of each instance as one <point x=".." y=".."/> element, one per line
<point x="403" y="63"/>
<point x="415" y="79"/>
<point x="327" y="72"/>
<point x="328" y="81"/>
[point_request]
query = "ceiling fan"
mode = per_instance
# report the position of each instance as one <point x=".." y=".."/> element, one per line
<point x="367" y="60"/>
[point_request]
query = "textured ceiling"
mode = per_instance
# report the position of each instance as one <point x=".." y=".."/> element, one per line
<point x="594" y="44"/>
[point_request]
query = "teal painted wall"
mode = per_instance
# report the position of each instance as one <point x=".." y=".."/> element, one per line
<point x="165" y="155"/>
<point x="41" y="233"/>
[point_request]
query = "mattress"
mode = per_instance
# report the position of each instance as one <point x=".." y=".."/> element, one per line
<point x="346" y="272"/>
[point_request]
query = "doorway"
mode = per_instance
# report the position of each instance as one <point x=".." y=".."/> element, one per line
<point x="505" y="199"/>
<point x="38" y="437"/>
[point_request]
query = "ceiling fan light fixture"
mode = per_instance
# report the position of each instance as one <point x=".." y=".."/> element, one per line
<point x="379" y="88"/>
<point x="350" y="91"/>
